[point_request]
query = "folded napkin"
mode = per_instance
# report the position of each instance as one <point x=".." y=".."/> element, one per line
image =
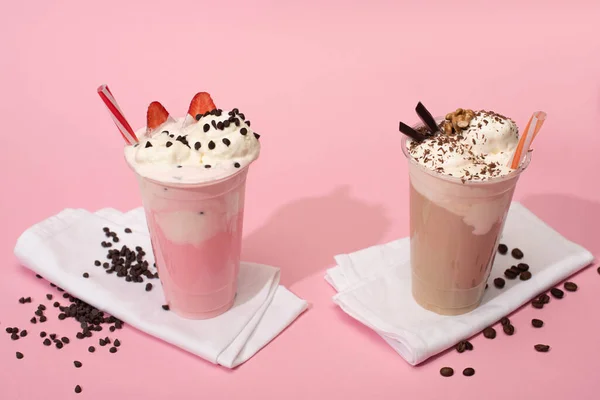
<point x="65" y="246"/>
<point x="374" y="287"/>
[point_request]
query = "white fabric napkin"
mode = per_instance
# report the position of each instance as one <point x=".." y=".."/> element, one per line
<point x="374" y="287"/>
<point x="65" y="246"/>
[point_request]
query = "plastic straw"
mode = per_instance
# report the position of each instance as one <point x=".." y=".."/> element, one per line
<point x="117" y="115"/>
<point x="531" y="130"/>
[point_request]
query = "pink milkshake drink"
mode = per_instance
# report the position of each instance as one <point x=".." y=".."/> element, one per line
<point x="192" y="176"/>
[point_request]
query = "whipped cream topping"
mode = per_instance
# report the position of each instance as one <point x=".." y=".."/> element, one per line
<point x="184" y="150"/>
<point x="480" y="152"/>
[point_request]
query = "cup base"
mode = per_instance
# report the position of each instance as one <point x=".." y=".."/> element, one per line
<point x="203" y="315"/>
<point x="445" y="311"/>
<point x="446" y="302"/>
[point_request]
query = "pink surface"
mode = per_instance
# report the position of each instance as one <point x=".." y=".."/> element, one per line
<point x="325" y="84"/>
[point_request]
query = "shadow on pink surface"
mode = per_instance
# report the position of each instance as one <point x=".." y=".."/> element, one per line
<point x="575" y="218"/>
<point x="302" y="237"/>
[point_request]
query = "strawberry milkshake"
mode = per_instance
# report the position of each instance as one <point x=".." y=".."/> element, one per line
<point x="192" y="174"/>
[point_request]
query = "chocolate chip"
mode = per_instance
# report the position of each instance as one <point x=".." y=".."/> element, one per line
<point x="77" y="364"/>
<point x="43" y="318"/>
<point x="446" y="372"/>
<point x="244" y="131"/>
<point x="489" y="332"/>
<point x="42" y="334"/>
<point x="53" y="336"/>
<point x="78" y="389"/>
<point x="79" y="335"/>
<point x="226" y="124"/>
<point x="468" y="371"/>
<point x="197" y="145"/>
<point x="47" y="342"/>
<point x="106" y="229"/>
<point x="508" y="329"/>
<point x="23" y="333"/>
<point x="62" y="316"/>
<point x="22" y="300"/>
<point x="211" y="145"/>
<point x="148" y="144"/>
<point x="113" y="350"/>
<point x="33" y="320"/>
<point x="248" y="123"/>
<point x="542" y="348"/>
<point x="226" y="142"/>
<point x="198" y="116"/>
<point x="525" y="276"/>
<point x="523" y="267"/>
<point x="165" y="307"/>
<point x="59" y="344"/>
<point x="148" y="287"/>
<point x="169" y="144"/>
<point x="557" y="293"/>
<point x="237" y="164"/>
<point x="499" y="283"/>
<point x="502" y="249"/>
<point x="220" y="125"/>
<point x="207" y="166"/>
<point x="537" y="323"/>
<point x="570" y="286"/>
<point x="19" y="355"/>
<point x="91" y="349"/>
<point x="516" y="253"/>
<point x="117" y="343"/>
<point x="56" y="304"/>
<point x="14" y="336"/>
<point x="256" y="135"/>
<point x="86" y="275"/>
<point x="206" y="128"/>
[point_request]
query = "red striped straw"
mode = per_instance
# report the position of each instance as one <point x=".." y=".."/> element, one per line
<point x="117" y="115"/>
<point x="531" y="130"/>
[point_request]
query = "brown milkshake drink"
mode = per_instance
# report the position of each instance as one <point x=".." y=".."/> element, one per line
<point x="461" y="187"/>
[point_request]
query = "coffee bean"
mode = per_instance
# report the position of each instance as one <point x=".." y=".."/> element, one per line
<point x="78" y="389"/>
<point x="502" y="249"/>
<point x="468" y="371"/>
<point x="509" y="329"/>
<point x="77" y="364"/>
<point x="523" y="267"/>
<point x="544" y="298"/>
<point x="113" y="350"/>
<point x="570" y="286"/>
<point x="148" y="287"/>
<point x="65" y="340"/>
<point x="489" y="332"/>
<point x="525" y="276"/>
<point x="505" y="321"/>
<point x="499" y="283"/>
<point x="537" y="323"/>
<point x="557" y="293"/>
<point x="91" y="349"/>
<point x="542" y="348"/>
<point x="446" y="371"/>
<point x="516" y="253"/>
<point x="510" y="274"/>
<point x="469" y="346"/>
<point x="537" y="304"/>
<point x="461" y="346"/>
<point x="19" y="355"/>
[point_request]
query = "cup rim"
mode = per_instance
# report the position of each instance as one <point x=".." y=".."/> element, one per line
<point x="453" y="179"/>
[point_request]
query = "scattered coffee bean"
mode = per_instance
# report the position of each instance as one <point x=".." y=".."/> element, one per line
<point x="516" y="253"/>
<point x="489" y="332"/>
<point x="557" y="293"/>
<point x="468" y="371"/>
<point x="91" y="349"/>
<point x="165" y="307"/>
<point x="78" y="389"/>
<point x="77" y="364"/>
<point x="469" y="345"/>
<point x="510" y="274"/>
<point x="65" y="340"/>
<point x="113" y="350"/>
<point x="523" y="267"/>
<point x="537" y="304"/>
<point x="525" y="276"/>
<point x="509" y="329"/>
<point x="127" y="230"/>
<point x="544" y="298"/>
<point x="570" y="286"/>
<point x="502" y="249"/>
<point x="537" y="323"/>
<point x="148" y="287"/>
<point x="504" y="321"/>
<point x="446" y="372"/>
<point x="461" y="346"/>
<point x="499" y="283"/>
<point x="542" y="348"/>
<point x="19" y="355"/>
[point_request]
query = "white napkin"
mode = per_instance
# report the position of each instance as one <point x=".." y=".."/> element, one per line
<point x="374" y="287"/>
<point x="65" y="246"/>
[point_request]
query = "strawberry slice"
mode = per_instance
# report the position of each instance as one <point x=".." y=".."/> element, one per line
<point x="156" y="116"/>
<point x="201" y="104"/>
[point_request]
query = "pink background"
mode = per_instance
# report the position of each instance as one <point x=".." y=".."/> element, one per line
<point x="325" y="83"/>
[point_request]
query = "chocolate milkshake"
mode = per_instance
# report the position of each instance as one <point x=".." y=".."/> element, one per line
<point x="461" y="188"/>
